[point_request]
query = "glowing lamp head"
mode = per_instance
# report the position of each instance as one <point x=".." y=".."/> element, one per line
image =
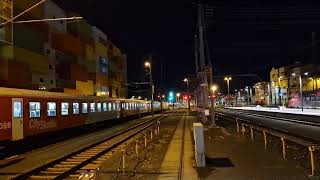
<point x="147" y="64"/>
<point x="214" y="88"/>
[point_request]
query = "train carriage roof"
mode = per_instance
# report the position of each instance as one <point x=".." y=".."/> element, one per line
<point x="21" y="93"/>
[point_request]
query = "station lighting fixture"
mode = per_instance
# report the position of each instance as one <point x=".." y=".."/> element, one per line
<point x="178" y="94"/>
<point x="214" y="88"/>
<point x="147" y="64"/>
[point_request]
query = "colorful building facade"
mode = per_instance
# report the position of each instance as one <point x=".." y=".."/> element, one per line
<point x="71" y="57"/>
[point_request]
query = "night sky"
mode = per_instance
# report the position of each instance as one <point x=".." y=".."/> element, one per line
<point x="243" y="37"/>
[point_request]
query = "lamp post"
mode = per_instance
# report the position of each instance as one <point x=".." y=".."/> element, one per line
<point x="178" y="97"/>
<point x="279" y="90"/>
<point x="228" y="79"/>
<point x="300" y="85"/>
<point x="214" y="88"/>
<point x="148" y="65"/>
<point x="187" y="82"/>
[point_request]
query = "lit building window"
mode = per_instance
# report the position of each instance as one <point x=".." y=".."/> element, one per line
<point x="103" y="65"/>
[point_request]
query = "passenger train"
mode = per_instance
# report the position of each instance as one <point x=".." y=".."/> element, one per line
<point x="26" y="113"/>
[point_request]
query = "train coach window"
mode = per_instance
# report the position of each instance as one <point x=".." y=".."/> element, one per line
<point x="75" y="108"/>
<point x="92" y="107"/>
<point x="64" y="109"/>
<point x="51" y="109"/>
<point x="85" y="108"/>
<point x="17" y="110"/>
<point x="110" y="107"/>
<point x="104" y="106"/>
<point x="98" y="107"/>
<point x="114" y="107"/>
<point x="34" y="109"/>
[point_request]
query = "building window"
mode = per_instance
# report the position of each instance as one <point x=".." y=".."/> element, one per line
<point x="50" y="66"/>
<point x="64" y="109"/>
<point x="17" y="110"/>
<point x="84" y="108"/>
<point x="92" y="107"/>
<point x="51" y="109"/>
<point x="51" y="81"/>
<point x="34" y="109"/>
<point x="75" y="108"/>
<point x="98" y="107"/>
<point x="48" y="51"/>
<point x="41" y="80"/>
<point x="103" y="65"/>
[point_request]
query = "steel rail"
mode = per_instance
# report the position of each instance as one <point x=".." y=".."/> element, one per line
<point x="72" y="170"/>
<point x="293" y="120"/>
<point x="284" y="132"/>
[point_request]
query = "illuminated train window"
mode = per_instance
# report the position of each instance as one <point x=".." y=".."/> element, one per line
<point x="75" y="108"/>
<point x="84" y="108"/>
<point x="34" y="109"/>
<point x="104" y="106"/>
<point x="51" y="109"/>
<point x="114" y="107"/>
<point x="64" y="109"/>
<point x="92" y="107"/>
<point x="110" y="107"/>
<point x="17" y="109"/>
<point x="98" y="107"/>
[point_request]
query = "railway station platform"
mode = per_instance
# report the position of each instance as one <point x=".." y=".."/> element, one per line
<point x="230" y="156"/>
<point x="179" y="159"/>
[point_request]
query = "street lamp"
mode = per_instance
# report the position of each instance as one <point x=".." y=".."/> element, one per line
<point x="213" y="88"/>
<point x="187" y="82"/>
<point x="178" y="97"/>
<point x="228" y="79"/>
<point x="147" y="64"/>
<point x="279" y="89"/>
<point x="300" y="84"/>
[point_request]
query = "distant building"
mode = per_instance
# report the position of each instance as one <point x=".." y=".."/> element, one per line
<point x="72" y="57"/>
<point x="285" y="85"/>
<point x="262" y="93"/>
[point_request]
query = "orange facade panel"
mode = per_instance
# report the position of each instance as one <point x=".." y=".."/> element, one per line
<point x="78" y="72"/>
<point x="68" y="43"/>
<point x="15" y="74"/>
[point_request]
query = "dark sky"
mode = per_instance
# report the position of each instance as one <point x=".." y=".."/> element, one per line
<point x="164" y="28"/>
<point x="243" y="37"/>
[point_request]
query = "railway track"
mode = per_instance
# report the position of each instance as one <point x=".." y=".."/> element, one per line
<point x="72" y="165"/>
<point x="245" y="116"/>
<point x="256" y="114"/>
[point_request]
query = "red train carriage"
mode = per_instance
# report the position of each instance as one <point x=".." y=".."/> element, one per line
<point x="27" y="113"/>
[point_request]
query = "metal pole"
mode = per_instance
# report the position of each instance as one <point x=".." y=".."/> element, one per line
<point x="228" y="82"/>
<point x="301" y="95"/>
<point x="152" y="88"/>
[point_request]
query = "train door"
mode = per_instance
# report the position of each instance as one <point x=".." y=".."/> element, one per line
<point x="17" y="119"/>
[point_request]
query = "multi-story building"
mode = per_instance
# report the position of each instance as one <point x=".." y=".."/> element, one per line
<point x="72" y="57"/>
<point x="263" y="93"/>
<point x="285" y="85"/>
